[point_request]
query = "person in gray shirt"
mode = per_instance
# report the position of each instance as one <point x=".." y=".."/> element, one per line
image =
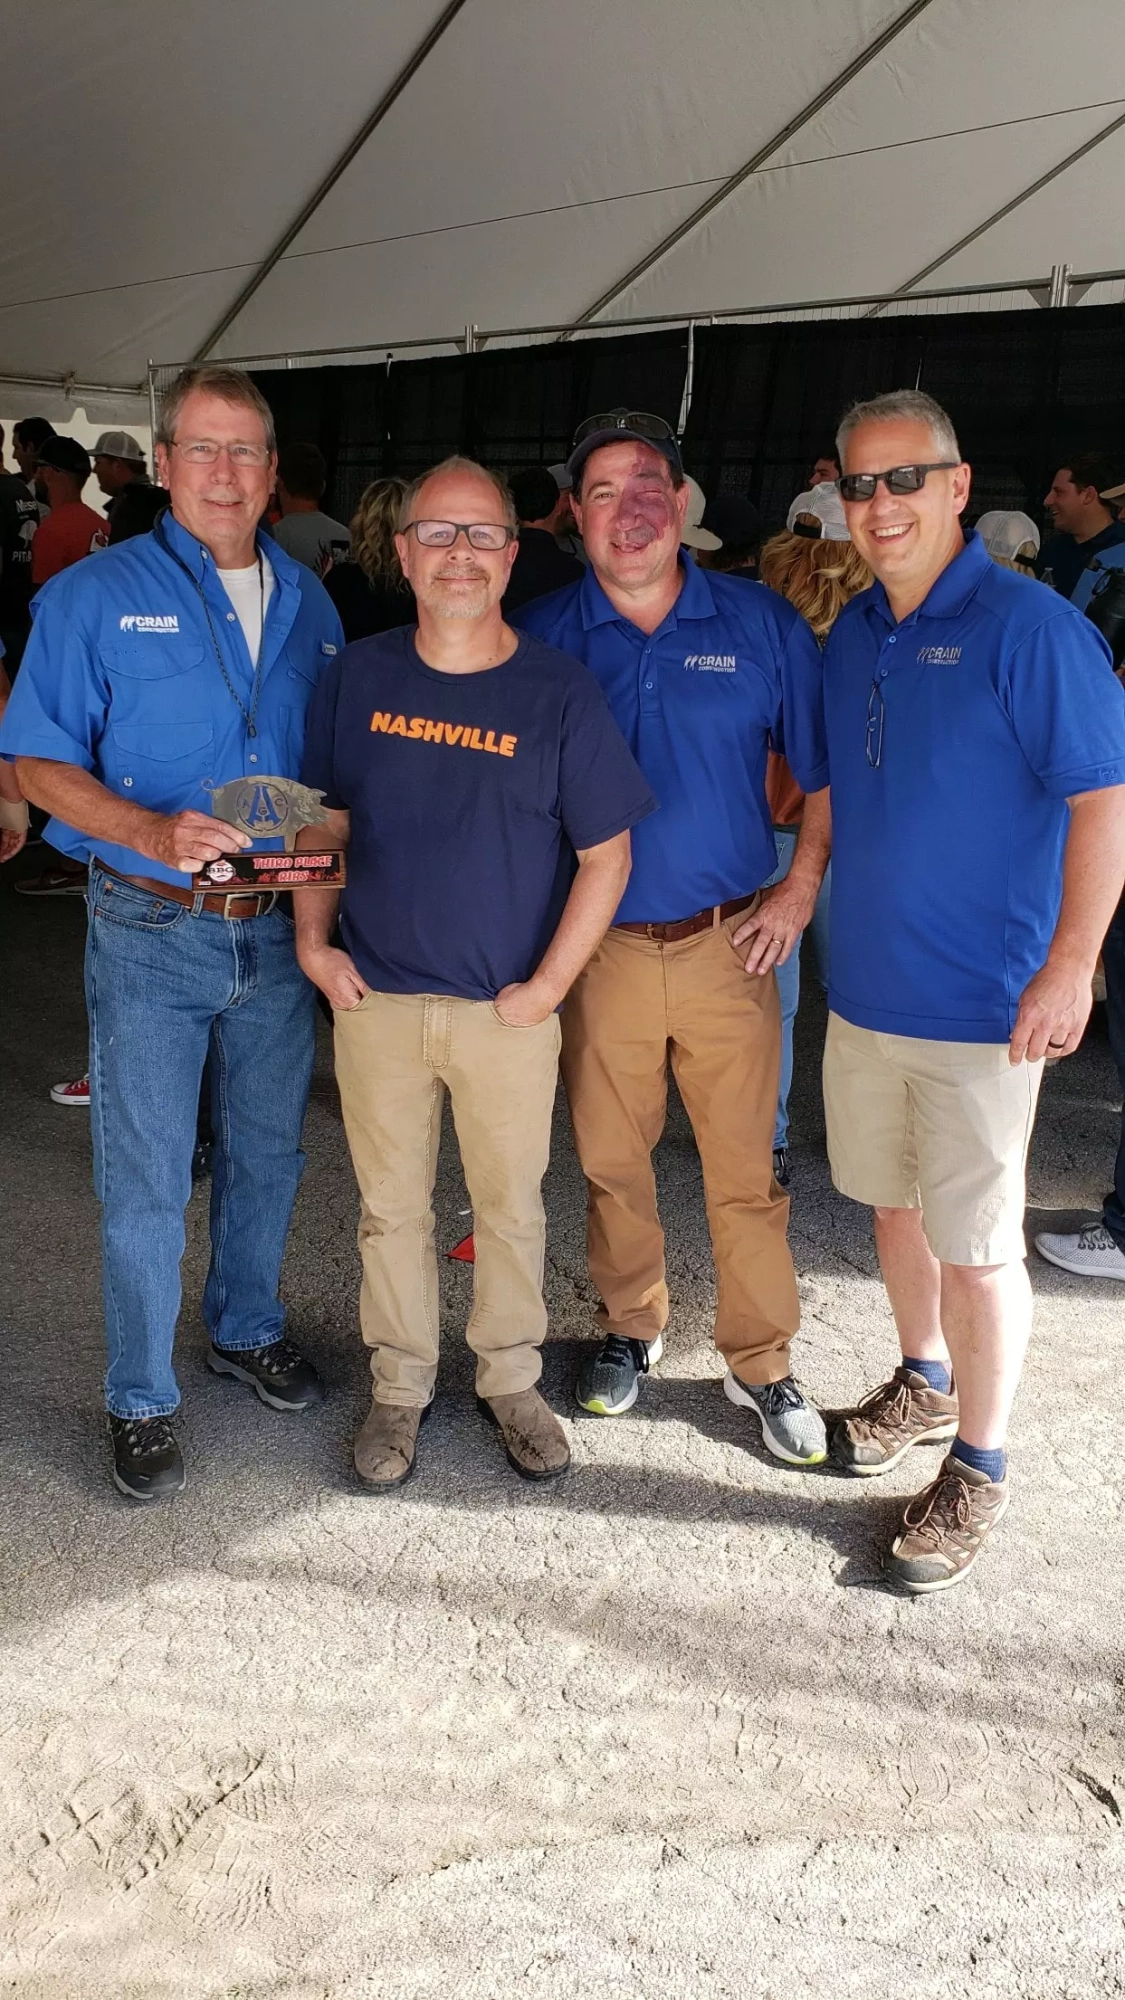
<point x="304" y="532"/>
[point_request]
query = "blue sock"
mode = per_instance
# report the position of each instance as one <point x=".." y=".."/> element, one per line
<point x="994" y="1464"/>
<point x="936" y="1373"/>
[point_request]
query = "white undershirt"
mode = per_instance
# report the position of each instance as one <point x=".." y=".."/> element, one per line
<point x="249" y="599"/>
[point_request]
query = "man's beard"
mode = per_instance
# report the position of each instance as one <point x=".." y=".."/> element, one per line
<point x="463" y="603"/>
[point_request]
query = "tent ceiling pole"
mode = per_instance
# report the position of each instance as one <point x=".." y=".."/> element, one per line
<point x="1017" y="201"/>
<point x="389" y="97"/>
<point x="758" y="160"/>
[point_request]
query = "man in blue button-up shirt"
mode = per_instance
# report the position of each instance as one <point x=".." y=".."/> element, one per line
<point x="976" y="741"/>
<point x="158" y="672"/>
<point x="703" y="674"/>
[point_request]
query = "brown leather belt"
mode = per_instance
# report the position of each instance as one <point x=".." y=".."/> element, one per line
<point x="251" y="902"/>
<point x="685" y="927"/>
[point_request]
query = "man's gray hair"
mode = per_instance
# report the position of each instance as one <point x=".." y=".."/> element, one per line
<point x="231" y="385"/>
<point x="909" y="406"/>
<point x="457" y="464"/>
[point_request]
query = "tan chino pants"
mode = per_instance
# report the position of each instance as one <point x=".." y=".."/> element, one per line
<point x="396" y="1056"/>
<point x="637" y="1004"/>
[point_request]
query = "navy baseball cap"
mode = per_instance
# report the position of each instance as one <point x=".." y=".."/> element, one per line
<point x="623" y="426"/>
<point x="65" y="454"/>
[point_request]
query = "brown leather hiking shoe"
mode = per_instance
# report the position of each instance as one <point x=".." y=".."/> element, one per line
<point x="902" y="1412"/>
<point x="534" y="1440"/>
<point x="385" y="1443"/>
<point x="944" y="1526"/>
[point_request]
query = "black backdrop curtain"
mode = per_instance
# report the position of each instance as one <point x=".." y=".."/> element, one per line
<point x="1025" y="390"/>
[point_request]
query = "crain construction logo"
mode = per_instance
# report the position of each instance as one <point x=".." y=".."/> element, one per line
<point x="712" y="663"/>
<point x="939" y="656"/>
<point x="135" y="621"/>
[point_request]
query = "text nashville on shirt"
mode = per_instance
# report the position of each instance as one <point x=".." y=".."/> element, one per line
<point x="421" y="730"/>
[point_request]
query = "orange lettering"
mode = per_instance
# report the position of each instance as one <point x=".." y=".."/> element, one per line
<point x="432" y="732"/>
<point x="398" y="726"/>
<point x="453" y="735"/>
<point x="417" y="724"/>
<point x="490" y="741"/>
<point x="380" y="721"/>
<point x="475" y="742"/>
<point x="508" y="745"/>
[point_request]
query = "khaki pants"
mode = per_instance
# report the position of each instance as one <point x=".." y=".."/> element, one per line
<point x="396" y="1056"/>
<point x="637" y="1003"/>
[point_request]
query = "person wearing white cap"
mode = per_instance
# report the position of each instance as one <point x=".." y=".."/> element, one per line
<point x="1011" y="538"/>
<point x="121" y="472"/>
<point x="693" y="535"/>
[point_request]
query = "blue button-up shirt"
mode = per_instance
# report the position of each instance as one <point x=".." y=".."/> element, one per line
<point x="731" y="673"/>
<point x="120" y="677"/>
<point x="955" y="739"/>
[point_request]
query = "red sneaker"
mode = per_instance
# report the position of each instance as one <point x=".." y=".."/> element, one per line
<point x="77" y="1092"/>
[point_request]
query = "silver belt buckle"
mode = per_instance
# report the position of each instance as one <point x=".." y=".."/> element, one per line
<point x="240" y="896"/>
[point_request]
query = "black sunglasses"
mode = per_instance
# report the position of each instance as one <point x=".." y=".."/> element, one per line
<point x="641" y="421"/>
<point x="900" y="479"/>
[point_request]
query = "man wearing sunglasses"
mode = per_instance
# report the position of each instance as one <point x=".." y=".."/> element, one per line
<point x="704" y="675"/>
<point x="976" y="740"/>
<point x="485" y="797"/>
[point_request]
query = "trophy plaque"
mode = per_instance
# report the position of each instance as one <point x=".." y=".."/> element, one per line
<point x="270" y="809"/>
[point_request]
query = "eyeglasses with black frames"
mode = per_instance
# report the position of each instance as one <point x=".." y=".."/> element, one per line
<point x="899" y="479"/>
<point x="482" y="535"/>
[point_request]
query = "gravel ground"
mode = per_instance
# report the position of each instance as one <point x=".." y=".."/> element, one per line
<point x="657" y="1730"/>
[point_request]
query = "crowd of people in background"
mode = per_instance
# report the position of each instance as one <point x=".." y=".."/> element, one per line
<point x="686" y="693"/>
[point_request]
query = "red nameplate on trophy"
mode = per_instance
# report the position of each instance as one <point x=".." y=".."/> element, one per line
<point x="320" y="868"/>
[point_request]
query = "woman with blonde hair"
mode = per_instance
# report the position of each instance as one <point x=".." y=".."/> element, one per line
<point x="815" y="566"/>
<point x="369" y="590"/>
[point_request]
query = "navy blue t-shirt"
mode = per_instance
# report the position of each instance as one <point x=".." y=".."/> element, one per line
<point x="468" y="795"/>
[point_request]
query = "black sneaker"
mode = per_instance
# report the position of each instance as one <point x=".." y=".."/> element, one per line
<point x="781" y="1165"/>
<point x="146" y="1458"/>
<point x="279" y="1375"/>
<point x="607" y="1383"/>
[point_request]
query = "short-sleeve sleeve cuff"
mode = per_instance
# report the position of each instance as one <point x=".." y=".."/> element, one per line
<point x="1090" y="778"/>
<point x="44" y="739"/>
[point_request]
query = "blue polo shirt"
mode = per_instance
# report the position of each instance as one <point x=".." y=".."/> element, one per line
<point x="985" y="710"/>
<point x="731" y="673"/>
<point x="120" y="677"/>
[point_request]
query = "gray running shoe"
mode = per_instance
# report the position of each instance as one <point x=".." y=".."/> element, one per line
<point x="608" y="1383"/>
<point x="791" y="1428"/>
<point x="1091" y="1253"/>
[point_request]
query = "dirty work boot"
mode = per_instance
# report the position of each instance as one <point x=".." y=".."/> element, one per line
<point x="944" y="1526"/>
<point x="534" y="1440"/>
<point x="885" y="1423"/>
<point x="385" y="1443"/>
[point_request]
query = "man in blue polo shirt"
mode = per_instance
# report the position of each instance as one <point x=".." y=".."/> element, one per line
<point x="704" y="675"/>
<point x="976" y="740"/>
<point x="174" y="664"/>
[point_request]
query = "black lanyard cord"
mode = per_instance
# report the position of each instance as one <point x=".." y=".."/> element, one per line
<point x="255" y="692"/>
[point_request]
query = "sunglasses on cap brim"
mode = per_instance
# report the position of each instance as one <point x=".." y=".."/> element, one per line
<point x="642" y="422"/>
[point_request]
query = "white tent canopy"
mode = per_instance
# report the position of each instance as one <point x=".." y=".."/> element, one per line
<point x="523" y="163"/>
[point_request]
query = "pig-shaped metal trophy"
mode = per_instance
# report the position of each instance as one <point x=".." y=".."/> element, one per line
<point x="270" y="809"/>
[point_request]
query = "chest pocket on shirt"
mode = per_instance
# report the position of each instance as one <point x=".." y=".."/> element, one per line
<point x="161" y="764"/>
<point x="158" y="656"/>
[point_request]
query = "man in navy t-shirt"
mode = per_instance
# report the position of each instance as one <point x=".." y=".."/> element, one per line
<point x="704" y="676"/>
<point x="976" y="742"/>
<point x="485" y="796"/>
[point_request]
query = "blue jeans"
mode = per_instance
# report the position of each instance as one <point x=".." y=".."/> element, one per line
<point x="789" y="974"/>
<point x="164" y="987"/>
<point x="1113" y="960"/>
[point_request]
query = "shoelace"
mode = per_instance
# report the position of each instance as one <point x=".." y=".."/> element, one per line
<point x="146" y="1437"/>
<point x="947" y="1503"/>
<point x="1097" y="1237"/>
<point x="276" y="1359"/>
<point x="889" y="1403"/>
<point x="777" y="1397"/>
<point x="618" y="1349"/>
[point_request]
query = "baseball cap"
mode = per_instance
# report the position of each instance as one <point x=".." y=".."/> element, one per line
<point x="823" y="502"/>
<point x="1004" y="534"/>
<point x="118" y="444"/>
<point x="622" y="426"/>
<point x="732" y="518"/>
<point x="692" y="534"/>
<point x="1111" y="492"/>
<point x="64" y="454"/>
<point x="561" y="476"/>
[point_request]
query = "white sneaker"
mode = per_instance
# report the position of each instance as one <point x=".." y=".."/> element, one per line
<point x="1091" y="1253"/>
